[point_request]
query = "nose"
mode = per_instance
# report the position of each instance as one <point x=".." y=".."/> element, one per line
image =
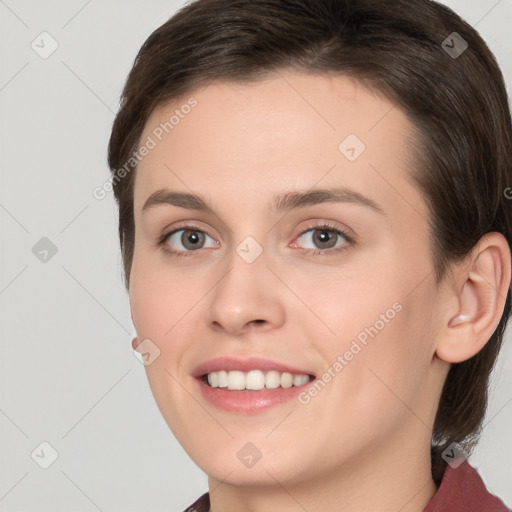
<point x="247" y="297"/>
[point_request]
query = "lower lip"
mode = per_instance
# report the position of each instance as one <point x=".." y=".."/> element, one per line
<point x="249" y="401"/>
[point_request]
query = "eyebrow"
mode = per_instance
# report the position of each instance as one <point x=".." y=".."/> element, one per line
<point x="281" y="203"/>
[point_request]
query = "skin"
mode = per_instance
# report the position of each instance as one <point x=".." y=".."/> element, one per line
<point x="363" y="443"/>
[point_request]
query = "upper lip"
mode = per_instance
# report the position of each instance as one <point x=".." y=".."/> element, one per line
<point x="244" y="365"/>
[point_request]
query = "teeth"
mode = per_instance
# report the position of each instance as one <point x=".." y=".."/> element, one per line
<point x="272" y="379"/>
<point x="255" y="380"/>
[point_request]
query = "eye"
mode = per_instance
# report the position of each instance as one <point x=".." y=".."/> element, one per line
<point x="326" y="238"/>
<point x="189" y="239"/>
<point x="185" y="240"/>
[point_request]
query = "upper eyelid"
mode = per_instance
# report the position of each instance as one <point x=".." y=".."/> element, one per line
<point x="319" y="225"/>
<point x="186" y="225"/>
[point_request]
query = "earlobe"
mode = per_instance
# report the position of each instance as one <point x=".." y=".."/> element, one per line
<point x="135" y="342"/>
<point x="480" y="292"/>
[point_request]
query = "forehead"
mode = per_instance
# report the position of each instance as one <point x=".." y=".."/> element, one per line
<point x="240" y="143"/>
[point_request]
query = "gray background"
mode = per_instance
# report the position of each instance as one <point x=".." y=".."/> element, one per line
<point x="68" y="375"/>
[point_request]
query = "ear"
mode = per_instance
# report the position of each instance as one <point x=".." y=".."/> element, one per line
<point x="476" y="299"/>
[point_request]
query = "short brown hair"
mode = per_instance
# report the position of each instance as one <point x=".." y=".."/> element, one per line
<point x="457" y="104"/>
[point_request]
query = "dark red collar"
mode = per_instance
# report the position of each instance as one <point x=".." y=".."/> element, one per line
<point x="461" y="490"/>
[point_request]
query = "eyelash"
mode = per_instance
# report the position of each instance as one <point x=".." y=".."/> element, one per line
<point x="161" y="242"/>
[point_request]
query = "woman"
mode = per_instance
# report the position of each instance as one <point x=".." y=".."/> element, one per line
<point x="315" y="222"/>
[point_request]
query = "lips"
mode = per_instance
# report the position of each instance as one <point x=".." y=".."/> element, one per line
<point x="229" y="395"/>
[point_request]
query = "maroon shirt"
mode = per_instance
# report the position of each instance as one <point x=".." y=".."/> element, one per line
<point x="459" y="490"/>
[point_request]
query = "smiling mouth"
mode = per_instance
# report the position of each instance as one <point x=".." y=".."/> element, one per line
<point x="254" y="380"/>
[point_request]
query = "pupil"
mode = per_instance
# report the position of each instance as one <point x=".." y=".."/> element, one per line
<point x="191" y="239"/>
<point x="326" y="236"/>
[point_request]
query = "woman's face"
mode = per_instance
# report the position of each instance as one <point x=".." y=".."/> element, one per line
<point x="261" y="273"/>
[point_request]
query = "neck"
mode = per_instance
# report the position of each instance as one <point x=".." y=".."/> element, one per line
<point x="394" y="478"/>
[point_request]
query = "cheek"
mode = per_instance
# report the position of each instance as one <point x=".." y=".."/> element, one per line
<point x="380" y="326"/>
<point x="394" y="359"/>
<point x="161" y="298"/>
<point x="348" y="304"/>
<point x="371" y="381"/>
<point x="152" y="309"/>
